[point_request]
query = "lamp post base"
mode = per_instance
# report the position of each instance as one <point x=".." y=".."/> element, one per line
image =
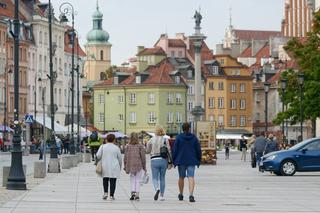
<point x="16" y="179"/>
<point x="54" y="165"/>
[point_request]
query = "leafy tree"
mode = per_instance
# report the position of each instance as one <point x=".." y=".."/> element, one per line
<point x="306" y="52"/>
<point x="110" y="71"/>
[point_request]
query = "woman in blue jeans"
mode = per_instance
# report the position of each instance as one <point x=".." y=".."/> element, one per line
<point x="159" y="165"/>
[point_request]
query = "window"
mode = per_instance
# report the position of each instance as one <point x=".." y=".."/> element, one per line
<point x="215" y="70"/>
<point x="222" y="61"/>
<point x="257" y="97"/>
<point x="177" y="79"/>
<point x="138" y="79"/>
<point x="152" y="117"/>
<point x="190" y="118"/>
<point x="257" y="116"/>
<point x="233" y="87"/>
<point x="220" y="103"/>
<point x="180" y="54"/>
<point x="211" y="117"/>
<point x="120" y="117"/>
<point x="221" y="120"/>
<point x="202" y="90"/>
<point x="189" y="73"/>
<point x="170" y="117"/>
<point x="242" y="87"/>
<point x="172" y="54"/>
<point x="151" y="98"/>
<point x="178" y="114"/>
<point x="178" y="98"/>
<point x="233" y="104"/>
<point x="233" y="120"/>
<point x="211" y="86"/>
<point x="133" y="117"/>
<point x="242" y="120"/>
<point x="313" y="146"/>
<point x="211" y="102"/>
<point x="242" y="103"/>
<point x="120" y="99"/>
<point x="65" y="98"/>
<point x="220" y="86"/>
<point x="190" y="105"/>
<point x="170" y="97"/>
<point x="132" y="98"/>
<point x="190" y="90"/>
<point x="101" y="98"/>
<point x="101" y="117"/>
<point x="40" y="37"/>
<point x="60" y="100"/>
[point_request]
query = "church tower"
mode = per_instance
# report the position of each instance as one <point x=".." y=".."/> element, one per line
<point x="98" y="49"/>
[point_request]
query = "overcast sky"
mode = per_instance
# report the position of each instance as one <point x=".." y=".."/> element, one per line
<point x="131" y="23"/>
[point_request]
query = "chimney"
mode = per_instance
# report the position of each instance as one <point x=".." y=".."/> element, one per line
<point x="140" y="48"/>
<point x="180" y="36"/>
<point x="115" y="80"/>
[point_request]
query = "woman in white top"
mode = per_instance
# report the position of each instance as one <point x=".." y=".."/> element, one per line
<point x="111" y="161"/>
<point x="159" y="164"/>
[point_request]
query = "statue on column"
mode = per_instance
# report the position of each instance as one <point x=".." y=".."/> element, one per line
<point x="197" y="16"/>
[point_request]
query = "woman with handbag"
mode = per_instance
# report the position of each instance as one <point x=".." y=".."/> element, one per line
<point x="135" y="164"/>
<point x="160" y="153"/>
<point x="109" y="157"/>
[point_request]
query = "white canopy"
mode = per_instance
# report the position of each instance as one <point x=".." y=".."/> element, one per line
<point x="58" y="128"/>
<point x="229" y="136"/>
<point x="152" y="135"/>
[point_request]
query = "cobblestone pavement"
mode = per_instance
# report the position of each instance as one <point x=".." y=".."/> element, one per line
<point x="231" y="186"/>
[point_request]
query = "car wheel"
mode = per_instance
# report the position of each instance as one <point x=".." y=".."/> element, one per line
<point x="288" y="168"/>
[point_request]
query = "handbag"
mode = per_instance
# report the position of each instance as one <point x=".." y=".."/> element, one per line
<point x="99" y="164"/>
<point x="145" y="178"/>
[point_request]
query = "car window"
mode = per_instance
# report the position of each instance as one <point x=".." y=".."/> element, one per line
<point x="314" y="146"/>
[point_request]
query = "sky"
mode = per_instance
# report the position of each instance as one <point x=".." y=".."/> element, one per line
<point x="131" y="23"/>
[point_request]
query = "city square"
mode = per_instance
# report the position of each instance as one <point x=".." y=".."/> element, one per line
<point x="92" y="100"/>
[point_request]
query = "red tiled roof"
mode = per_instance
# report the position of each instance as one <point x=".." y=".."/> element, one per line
<point x="152" y="51"/>
<point x="275" y="78"/>
<point x="132" y="69"/>
<point x="8" y="10"/>
<point x="246" y="53"/>
<point x="255" y="34"/>
<point x="176" y="43"/>
<point x="264" y="52"/>
<point x="77" y="49"/>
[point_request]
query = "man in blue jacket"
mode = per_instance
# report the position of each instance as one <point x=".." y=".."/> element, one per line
<point x="186" y="155"/>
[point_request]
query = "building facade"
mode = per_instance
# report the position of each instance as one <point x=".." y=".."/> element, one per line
<point x="228" y="95"/>
<point x="134" y="102"/>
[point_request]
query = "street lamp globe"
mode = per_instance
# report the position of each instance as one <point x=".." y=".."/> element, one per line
<point x="283" y="83"/>
<point x="301" y="79"/>
<point x="266" y="87"/>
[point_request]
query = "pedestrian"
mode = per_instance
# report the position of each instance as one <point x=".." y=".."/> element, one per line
<point x="243" y="148"/>
<point x="94" y="144"/>
<point x="111" y="162"/>
<point x="227" y="150"/>
<point x="186" y="155"/>
<point x="159" y="162"/>
<point x="171" y="141"/>
<point x="135" y="164"/>
<point x="252" y="154"/>
<point x="41" y="148"/>
<point x="259" y="146"/>
<point x="271" y="145"/>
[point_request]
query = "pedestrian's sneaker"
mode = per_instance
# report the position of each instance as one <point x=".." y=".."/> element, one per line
<point x="137" y="198"/>
<point x="132" y="196"/>
<point x="112" y="198"/>
<point x="105" y="196"/>
<point x="162" y="198"/>
<point x="191" y="199"/>
<point x="180" y="196"/>
<point x="156" y="195"/>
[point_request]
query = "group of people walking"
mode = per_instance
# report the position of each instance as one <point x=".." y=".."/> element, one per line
<point x="186" y="155"/>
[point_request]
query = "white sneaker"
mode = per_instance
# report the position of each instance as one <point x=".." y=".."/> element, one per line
<point x="105" y="196"/>
<point x="162" y="198"/>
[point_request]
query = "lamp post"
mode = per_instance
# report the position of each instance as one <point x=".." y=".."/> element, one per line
<point x="17" y="178"/>
<point x="266" y="91"/>
<point x="283" y="88"/>
<point x="301" y="82"/>
<point x="67" y="9"/>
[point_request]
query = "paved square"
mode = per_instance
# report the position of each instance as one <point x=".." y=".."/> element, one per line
<point x="231" y="186"/>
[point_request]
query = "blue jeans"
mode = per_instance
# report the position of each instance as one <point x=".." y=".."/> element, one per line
<point x="258" y="156"/>
<point x="159" y="168"/>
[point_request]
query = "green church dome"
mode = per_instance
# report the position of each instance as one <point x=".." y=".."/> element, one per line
<point x="97" y="34"/>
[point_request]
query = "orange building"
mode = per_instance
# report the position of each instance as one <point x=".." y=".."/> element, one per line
<point x="228" y="94"/>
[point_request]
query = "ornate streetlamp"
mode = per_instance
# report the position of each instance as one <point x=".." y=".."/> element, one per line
<point x="266" y="91"/>
<point x="301" y="82"/>
<point x="283" y="88"/>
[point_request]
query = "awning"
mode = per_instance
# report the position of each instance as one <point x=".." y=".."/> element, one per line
<point x="58" y="128"/>
<point x="116" y="134"/>
<point x="230" y="136"/>
<point x="5" y="128"/>
<point x="83" y="132"/>
<point x="233" y="134"/>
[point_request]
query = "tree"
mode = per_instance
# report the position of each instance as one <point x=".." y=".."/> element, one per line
<point x="306" y="52"/>
<point x="110" y="71"/>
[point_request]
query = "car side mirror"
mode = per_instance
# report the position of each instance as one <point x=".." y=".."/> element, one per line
<point x="304" y="150"/>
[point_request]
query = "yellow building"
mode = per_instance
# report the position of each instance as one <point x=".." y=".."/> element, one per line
<point x="98" y="50"/>
<point x="228" y="95"/>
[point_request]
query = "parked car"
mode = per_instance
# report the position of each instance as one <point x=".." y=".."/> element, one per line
<point x="303" y="157"/>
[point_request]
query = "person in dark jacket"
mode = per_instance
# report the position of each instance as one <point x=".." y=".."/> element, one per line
<point x="271" y="145"/>
<point x="259" y="146"/>
<point x="186" y="155"/>
<point x="243" y="148"/>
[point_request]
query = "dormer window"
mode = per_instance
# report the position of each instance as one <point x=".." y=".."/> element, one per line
<point x="177" y="79"/>
<point x="138" y="79"/>
<point x="215" y="70"/>
<point x="115" y="80"/>
<point x="189" y="73"/>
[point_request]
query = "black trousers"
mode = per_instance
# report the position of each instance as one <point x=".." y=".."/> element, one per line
<point x="94" y="150"/>
<point x="112" y="181"/>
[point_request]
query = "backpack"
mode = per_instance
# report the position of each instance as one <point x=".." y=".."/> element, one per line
<point x="164" y="151"/>
<point x="94" y="136"/>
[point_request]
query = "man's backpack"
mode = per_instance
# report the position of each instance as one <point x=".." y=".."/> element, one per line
<point x="94" y="136"/>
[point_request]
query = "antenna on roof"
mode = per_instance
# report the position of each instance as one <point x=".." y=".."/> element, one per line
<point x="97" y="5"/>
<point x="230" y="16"/>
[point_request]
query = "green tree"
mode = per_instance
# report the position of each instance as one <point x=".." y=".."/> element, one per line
<point x="306" y="52"/>
<point x="110" y="71"/>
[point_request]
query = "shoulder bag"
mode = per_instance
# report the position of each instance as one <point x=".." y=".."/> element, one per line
<point x="99" y="164"/>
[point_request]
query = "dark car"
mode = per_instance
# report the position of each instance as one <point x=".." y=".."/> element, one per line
<point x="303" y="157"/>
